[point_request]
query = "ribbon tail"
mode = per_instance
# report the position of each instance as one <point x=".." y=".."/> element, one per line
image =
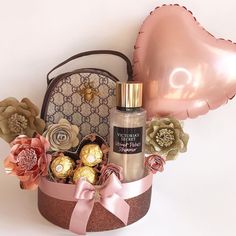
<point x="80" y="216"/>
<point x="117" y="206"/>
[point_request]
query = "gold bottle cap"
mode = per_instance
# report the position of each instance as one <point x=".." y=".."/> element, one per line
<point x="129" y="94"/>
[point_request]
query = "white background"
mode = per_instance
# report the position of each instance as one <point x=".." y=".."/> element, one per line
<point x="196" y="195"/>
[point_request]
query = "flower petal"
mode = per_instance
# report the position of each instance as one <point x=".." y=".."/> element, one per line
<point x="32" y="107"/>
<point x="172" y="155"/>
<point x="29" y="185"/>
<point x="75" y="129"/>
<point x="40" y="125"/>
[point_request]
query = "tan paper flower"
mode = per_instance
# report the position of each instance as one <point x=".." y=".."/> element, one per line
<point x="62" y="136"/>
<point x="17" y="118"/>
<point x="166" y="137"/>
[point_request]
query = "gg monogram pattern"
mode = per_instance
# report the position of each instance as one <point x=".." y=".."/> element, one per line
<point x="84" y="98"/>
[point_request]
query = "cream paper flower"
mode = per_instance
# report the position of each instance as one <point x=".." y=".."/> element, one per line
<point x="62" y="136"/>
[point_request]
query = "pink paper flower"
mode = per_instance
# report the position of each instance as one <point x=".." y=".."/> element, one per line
<point x="28" y="160"/>
<point x="109" y="169"/>
<point x="155" y="163"/>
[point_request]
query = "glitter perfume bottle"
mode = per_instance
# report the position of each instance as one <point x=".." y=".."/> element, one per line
<point x="127" y="131"/>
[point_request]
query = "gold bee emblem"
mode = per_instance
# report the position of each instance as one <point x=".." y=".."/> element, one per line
<point x="88" y="92"/>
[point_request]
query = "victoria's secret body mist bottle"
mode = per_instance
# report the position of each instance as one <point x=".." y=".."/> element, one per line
<point x="127" y="131"/>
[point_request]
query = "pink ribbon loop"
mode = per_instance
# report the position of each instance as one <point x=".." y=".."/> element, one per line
<point x="107" y="195"/>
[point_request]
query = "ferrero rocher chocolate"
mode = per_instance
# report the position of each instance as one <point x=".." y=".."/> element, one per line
<point x="86" y="172"/>
<point x="91" y="154"/>
<point x="62" y="167"/>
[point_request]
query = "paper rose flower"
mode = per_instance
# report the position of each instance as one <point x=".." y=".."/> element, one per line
<point x="28" y="160"/>
<point x="155" y="163"/>
<point x="109" y="169"/>
<point x="17" y="118"/>
<point x="166" y="137"/>
<point x="62" y="136"/>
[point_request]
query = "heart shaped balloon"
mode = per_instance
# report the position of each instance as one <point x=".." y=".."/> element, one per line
<point x="185" y="70"/>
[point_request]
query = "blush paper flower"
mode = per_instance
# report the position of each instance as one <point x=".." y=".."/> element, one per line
<point x="62" y="136"/>
<point x="28" y="160"/>
<point x="165" y="136"/>
<point x="19" y="118"/>
<point x="155" y="163"/>
<point x="109" y="169"/>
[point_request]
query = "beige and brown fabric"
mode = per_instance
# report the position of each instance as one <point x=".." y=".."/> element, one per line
<point x="84" y="97"/>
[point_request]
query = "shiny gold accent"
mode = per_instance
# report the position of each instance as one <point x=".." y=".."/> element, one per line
<point x="88" y="92"/>
<point x="91" y="154"/>
<point x="129" y="95"/>
<point x="86" y="172"/>
<point x="62" y="167"/>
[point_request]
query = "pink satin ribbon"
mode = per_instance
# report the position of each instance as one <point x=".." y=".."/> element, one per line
<point x="111" y="195"/>
<point x="87" y="194"/>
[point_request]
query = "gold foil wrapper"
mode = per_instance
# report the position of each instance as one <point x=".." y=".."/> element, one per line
<point x="85" y="172"/>
<point x="62" y="167"/>
<point x="91" y="154"/>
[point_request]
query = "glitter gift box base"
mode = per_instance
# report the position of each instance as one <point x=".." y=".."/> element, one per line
<point x="59" y="211"/>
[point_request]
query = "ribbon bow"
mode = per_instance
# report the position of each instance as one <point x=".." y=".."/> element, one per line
<point x="107" y="195"/>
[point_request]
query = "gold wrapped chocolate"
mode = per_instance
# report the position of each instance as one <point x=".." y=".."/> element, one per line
<point x="86" y="172"/>
<point x="62" y="167"/>
<point x="91" y="154"/>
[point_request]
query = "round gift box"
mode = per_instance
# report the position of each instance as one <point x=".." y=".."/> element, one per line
<point x="58" y="211"/>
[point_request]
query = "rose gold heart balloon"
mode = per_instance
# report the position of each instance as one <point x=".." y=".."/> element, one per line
<point x="185" y="70"/>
